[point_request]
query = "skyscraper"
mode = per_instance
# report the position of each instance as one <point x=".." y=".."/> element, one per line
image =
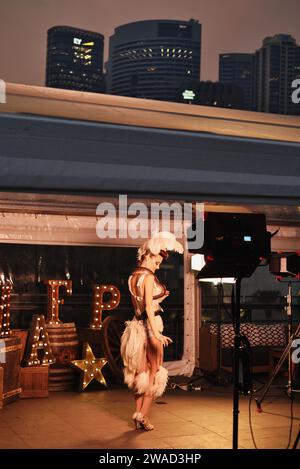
<point x="74" y="59"/>
<point x="277" y="64"/>
<point x="238" y="69"/>
<point x="149" y="59"/>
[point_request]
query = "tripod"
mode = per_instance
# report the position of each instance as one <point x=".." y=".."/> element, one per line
<point x="296" y="440"/>
<point x="286" y="353"/>
<point x="290" y="324"/>
<point x="276" y="370"/>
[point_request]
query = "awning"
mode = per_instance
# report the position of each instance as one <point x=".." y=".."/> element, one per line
<point x="46" y="153"/>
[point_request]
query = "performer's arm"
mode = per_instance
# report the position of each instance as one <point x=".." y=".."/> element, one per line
<point x="150" y="309"/>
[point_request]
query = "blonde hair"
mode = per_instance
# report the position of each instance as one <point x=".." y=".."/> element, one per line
<point x="164" y="254"/>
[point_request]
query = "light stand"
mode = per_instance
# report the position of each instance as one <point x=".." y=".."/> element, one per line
<point x="285" y="354"/>
<point x="219" y="340"/>
<point x="219" y="377"/>
<point x="235" y="307"/>
<point x="234" y="245"/>
<point x="289" y="315"/>
<point x="235" y="304"/>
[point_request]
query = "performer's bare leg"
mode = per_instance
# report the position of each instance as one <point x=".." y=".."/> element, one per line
<point x="154" y="357"/>
<point x="138" y="401"/>
<point x="140" y="397"/>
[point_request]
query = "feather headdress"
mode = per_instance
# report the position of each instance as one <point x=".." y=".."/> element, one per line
<point x="162" y="241"/>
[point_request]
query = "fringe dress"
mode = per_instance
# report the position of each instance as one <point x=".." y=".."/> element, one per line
<point x="135" y="337"/>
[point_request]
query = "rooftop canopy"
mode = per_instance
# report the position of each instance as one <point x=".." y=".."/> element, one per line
<point x="61" y="140"/>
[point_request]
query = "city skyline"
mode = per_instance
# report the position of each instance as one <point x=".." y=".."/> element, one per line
<point x="23" y="59"/>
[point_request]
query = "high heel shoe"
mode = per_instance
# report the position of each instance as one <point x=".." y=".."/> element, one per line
<point x="136" y="420"/>
<point x="145" y="423"/>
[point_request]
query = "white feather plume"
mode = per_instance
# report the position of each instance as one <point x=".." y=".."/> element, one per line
<point x="141" y="384"/>
<point x="163" y="240"/>
<point x="160" y="382"/>
<point x="133" y="350"/>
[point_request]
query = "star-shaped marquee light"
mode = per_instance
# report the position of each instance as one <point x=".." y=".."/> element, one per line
<point x="90" y="367"/>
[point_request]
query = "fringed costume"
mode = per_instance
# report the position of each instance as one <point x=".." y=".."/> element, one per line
<point x="138" y="331"/>
<point x="135" y="336"/>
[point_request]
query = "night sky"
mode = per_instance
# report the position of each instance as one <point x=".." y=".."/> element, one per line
<point x="227" y="26"/>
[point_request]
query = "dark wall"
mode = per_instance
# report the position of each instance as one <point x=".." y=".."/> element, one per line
<point x="28" y="266"/>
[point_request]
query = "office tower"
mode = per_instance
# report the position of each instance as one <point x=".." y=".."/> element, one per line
<point x="238" y="69"/>
<point x="277" y="64"/>
<point x="74" y="59"/>
<point x="149" y="59"/>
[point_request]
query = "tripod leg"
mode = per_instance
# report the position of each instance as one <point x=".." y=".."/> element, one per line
<point x="277" y="368"/>
<point x="296" y="440"/>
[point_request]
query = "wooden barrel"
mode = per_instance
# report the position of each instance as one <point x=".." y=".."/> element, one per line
<point x="65" y="347"/>
<point x="61" y="379"/>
